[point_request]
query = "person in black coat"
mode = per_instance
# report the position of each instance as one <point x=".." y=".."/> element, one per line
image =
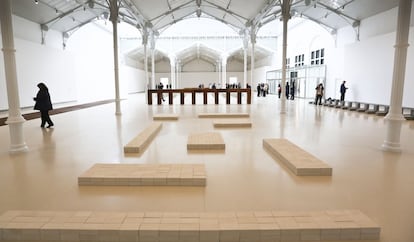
<point x="342" y="90"/>
<point x="43" y="104"/>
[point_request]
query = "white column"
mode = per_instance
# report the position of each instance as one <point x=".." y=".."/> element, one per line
<point x="114" y="19"/>
<point x="145" y="44"/>
<point x="177" y="81"/>
<point x="173" y="70"/>
<point x="15" y="120"/>
<point x="245" y="47"/>
<point x="253" y="42"/>
<point x="394" y="117"/>
<point x="224" y="70"/>
<point x="218" y="64"/>
<point x="285" y="16"/>
<point x="152" y="60"/>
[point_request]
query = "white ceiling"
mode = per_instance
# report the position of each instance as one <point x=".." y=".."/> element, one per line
<point x="67" y="15"/>
<point x="244" y="16"/>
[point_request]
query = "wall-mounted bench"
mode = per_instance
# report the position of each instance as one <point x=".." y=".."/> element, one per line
<point x="340" y="104"/>
<point x="363" y="107"/>
<point x="372" y="108"/>
<point x="369" y="108"/>
<point x="347" y="105"/>
<point x="408" y="113"/>
<point x="333" y="103"/>
<point x="382" y="110"/>
<point x="355" y="106"/>
<point x="143" y="139"/>
<point x="300" y="162"/>
<point x="108" y="226"/>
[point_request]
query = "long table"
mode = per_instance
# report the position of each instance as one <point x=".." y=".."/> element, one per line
<point x="194" y="91"/>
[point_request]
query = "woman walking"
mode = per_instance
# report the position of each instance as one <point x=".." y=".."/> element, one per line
<point x="43" y="104"/>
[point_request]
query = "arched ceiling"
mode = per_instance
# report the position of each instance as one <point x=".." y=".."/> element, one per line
<point x="154" y="16"/>
<point x="198" y="51"/>
<point x="203" y="52"/>
<point x="68" y="15"/>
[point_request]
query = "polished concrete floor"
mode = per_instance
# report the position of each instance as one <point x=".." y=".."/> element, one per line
<point x="242" y="178"/>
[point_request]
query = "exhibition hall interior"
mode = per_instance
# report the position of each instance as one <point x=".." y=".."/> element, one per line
<point x="206" y="120"/>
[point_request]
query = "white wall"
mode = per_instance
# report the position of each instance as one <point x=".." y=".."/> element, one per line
<point x="259" y="75"/>
<point x="134" y="80"/>
<point x="303" y="38"/>
<point x="369" y="70"/>
<point x="39" y="63"/>
<point x="83" y="72"/>
<point x="368" y="63"/>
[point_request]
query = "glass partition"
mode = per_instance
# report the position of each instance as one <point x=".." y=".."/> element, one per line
<point x="303" y="78"/>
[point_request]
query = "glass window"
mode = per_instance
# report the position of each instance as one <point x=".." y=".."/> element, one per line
<point x="317" y="57"/>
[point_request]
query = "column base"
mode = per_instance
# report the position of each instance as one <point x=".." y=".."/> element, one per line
<point x="392" y="140"/>
<point x="391" y="147"/>
<point x="18" y="145"/>
<point x="15" y="149"/>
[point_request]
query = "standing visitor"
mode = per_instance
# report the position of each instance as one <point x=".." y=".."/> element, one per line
<point x="43" y="104"/>
<point x="279" y="90"/>
<point x="343" y="90"/>
<point x="319" y="93"/>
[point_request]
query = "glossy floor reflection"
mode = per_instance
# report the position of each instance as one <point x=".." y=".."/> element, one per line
<point x="242" y="178"/>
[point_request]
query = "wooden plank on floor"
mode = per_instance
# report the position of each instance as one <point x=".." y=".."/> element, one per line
<point x="205" y="141"/>
<point x="232" y="123"/>
<point x="223" y="115"/>
<point x="95" y="226"/>
<point x="144" y="175"/>
<point x="165" y="116"/>
<point x="296" y="159"/>
<point x="143" y="139"/>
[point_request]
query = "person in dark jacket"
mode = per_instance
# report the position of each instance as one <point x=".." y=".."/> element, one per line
<point x="43" y="104"/>
<point x="342" y="90"/>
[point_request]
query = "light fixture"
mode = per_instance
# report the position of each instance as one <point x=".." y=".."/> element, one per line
<point x="36" y="1"/>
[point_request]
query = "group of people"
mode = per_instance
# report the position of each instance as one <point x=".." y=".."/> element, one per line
<point x="320" y="91"/>
<point x="161" y="86"/>
<point x="262" y="89"/>
<point x="227" y="86"/>
<point x="289" y="91"/>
